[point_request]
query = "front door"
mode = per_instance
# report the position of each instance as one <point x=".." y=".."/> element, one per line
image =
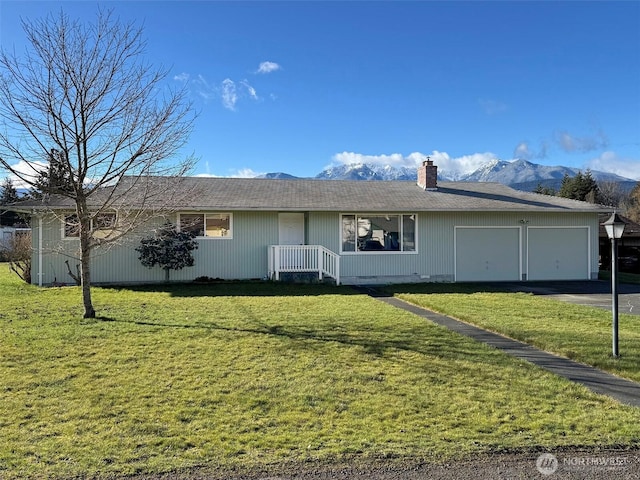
<point x="291" y="228"/>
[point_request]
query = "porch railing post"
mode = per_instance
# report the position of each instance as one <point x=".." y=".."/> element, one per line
<point x="276" y="262"/>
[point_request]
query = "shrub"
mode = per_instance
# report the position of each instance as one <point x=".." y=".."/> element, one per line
<point x="168" y="249"/>
<point x="18" y="254"/>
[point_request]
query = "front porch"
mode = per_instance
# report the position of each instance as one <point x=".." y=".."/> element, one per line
<point x="303" y="258"/>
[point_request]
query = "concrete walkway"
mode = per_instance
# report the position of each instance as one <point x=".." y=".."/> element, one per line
<point x="625" y="391"/>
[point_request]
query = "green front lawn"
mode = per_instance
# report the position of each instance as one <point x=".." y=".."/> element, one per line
<point x="578" y="332"/>
<point x="246" y="375"/>
<point x="623" y="277"/>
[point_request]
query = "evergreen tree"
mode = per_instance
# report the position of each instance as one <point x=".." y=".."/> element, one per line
<point x="56" y="178"/>
<point x="544" y="190"/>
<point x="581" y="187"/>
<point x="8" y="194"/>
<point x="169" y="249"/>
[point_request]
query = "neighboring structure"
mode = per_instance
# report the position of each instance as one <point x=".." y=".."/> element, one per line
<point x="7" y="235"/>
<point x="628" y="247"/>
<point x="356" y="232"/>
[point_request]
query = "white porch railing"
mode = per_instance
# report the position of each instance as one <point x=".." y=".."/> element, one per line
<point x="303" y="258"/>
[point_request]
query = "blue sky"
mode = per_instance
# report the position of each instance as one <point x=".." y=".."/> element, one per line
<point x="299" y="86"/>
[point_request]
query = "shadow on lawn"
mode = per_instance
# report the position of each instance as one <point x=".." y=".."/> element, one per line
<point x="538" y="287"/>
<point x="237" y="289"/>
<point x="424" y="339"/>
<point x="258" y="288"/>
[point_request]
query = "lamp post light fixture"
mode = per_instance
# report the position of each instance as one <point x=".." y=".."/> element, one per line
<point x="615" y="228"/>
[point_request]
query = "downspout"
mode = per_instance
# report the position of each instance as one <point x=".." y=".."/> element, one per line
<point x="40" y="272"/>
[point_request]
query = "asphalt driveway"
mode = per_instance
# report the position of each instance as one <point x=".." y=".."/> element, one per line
<point x="595" y="293"/>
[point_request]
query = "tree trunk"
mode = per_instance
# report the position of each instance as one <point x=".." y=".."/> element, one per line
<point x="85" y="268"/>
<point x="166" y="275"/>
<point x="89" y="311"/>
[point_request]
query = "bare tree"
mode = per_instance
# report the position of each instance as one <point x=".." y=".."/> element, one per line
<point x="612" y="193"/>
<point x="82" y="95"/>
<point x="633" y="207"/>
<point x="18" y="254"/>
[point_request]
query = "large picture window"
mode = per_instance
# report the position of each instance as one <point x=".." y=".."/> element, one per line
<point x="379" y="233"/>
<point x="213" y="225"/>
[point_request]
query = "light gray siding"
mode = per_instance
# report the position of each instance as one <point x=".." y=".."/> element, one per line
<point x="323" y="228"/>
<point x="50" y="251"/>
<point x="244" y="256"/>
<point x="436" y="253"/>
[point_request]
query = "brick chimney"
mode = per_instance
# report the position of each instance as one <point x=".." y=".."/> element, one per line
<point x="428" y="175"/>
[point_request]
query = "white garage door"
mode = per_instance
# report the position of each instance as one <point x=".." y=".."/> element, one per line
<point x="558" y="253"/>
<point x="487" y="254"/>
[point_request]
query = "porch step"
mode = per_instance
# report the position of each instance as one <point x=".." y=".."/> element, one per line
<point x="303" y="260"/>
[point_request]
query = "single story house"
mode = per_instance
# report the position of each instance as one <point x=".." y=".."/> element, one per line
<point x="354" y="232"/>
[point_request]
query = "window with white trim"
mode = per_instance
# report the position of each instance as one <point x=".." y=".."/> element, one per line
<point x="104" y="221"/>
<point x="101" y="221"/>
<point x="379" y="233"/>
<point x="71" y="228"/>
<point x="211" y="225"/>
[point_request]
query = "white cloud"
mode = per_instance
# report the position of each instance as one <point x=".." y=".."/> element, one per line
<point x="229" y="94"/>
<point x="571" y="143"/>
<point x="461" y="165"/>
<point x="250" y="90"/>
<point x="268" y="67"/>
<point x="182" y="77"/>
<point x="239" y="173"/>
<point x="612" y="162"/>
<point x="206" y="175"/>
<point x="232" y="92"/>
<point x="563" y="140"/>
<point x="27" y="170"/>
<point x="492" y="107"/>
<point x="350" y="158"/>
<point x="206" y="91"/>
<point x="453" y="167"/>
<point x="524" y="150"/>
<point x="245" y="173"/>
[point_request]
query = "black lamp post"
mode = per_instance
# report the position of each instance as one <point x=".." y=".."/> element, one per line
<point x="614" y="227"/>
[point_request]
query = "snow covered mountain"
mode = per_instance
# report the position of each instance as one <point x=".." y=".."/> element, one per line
<point x="522" y="171"/>
<point x="362" y="171"/>
<point x="515" y="173"/>
<point x="519" y="174"/>
<point x="356" y="171"/>
<point x="277" y="175"/>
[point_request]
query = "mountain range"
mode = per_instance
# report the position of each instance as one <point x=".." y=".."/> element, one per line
<point x="519" y="174"/>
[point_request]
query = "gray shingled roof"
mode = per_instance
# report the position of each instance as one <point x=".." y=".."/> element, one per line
<point x="201" y="193"/>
